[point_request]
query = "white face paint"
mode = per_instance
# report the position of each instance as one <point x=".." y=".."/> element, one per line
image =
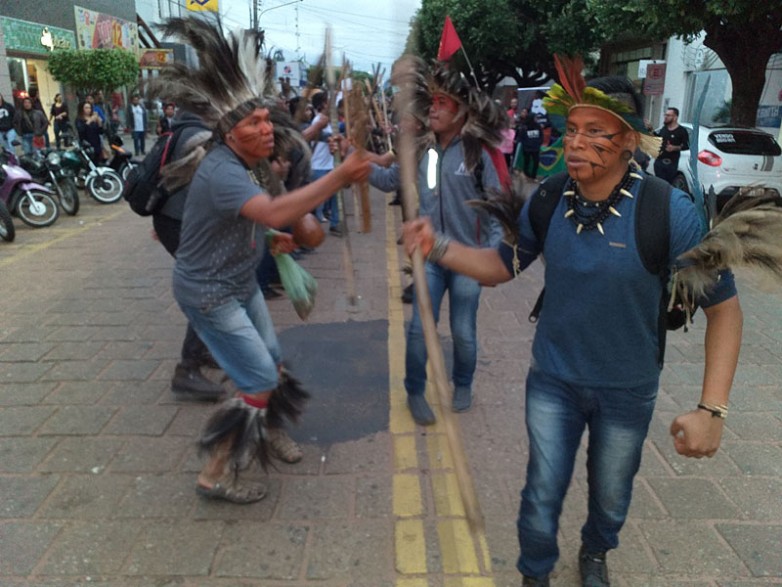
<point x="431" y="170"/>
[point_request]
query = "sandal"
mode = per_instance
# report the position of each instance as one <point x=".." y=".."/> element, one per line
<point x="234" y="493"/>
<point x="283" y="446"/>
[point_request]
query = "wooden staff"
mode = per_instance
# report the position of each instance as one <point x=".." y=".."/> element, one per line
<point x="408" y="168"/>
<point x="347" y="253"/>
<point x="356" y="105"/>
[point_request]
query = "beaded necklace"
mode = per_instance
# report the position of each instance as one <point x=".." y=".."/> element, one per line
<point x="588" y="215"/>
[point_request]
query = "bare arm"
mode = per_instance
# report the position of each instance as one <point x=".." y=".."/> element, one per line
<point x="698" y="433"/>
<point x="285" y="209"/>
<point x="483" y="265"/>
<point x="312" y="132"/>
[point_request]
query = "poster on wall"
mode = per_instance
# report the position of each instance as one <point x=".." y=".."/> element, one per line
<point x="95" y="30"/>
<point x="156" y="58"/>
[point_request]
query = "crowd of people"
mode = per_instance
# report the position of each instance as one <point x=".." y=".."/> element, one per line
<point x="245" y="163"/>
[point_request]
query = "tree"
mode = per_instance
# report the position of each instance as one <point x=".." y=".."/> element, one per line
<point x="743" y="33"/>
<point x="89" y="70"/>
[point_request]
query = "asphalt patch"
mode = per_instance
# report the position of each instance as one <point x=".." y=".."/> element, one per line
<point x="344" y="366"/>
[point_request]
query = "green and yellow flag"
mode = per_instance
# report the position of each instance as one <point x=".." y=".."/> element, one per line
<point x="202" y="5"/>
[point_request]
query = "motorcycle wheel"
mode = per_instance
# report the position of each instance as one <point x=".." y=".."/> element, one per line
<point x="37" y="209"/>
<point x="69" y="196"/>
<point x="106" y="187"/>
<point x="125" y="169"/>
<point x="7" y="229"/>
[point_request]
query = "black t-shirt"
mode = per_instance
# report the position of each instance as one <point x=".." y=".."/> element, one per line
<point x="676" y="137"/>
<point x="7" y="112"/>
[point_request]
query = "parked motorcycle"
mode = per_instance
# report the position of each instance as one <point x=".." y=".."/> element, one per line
<point x="7" y="229"/>
<point x="32" y="202"/>
<point x="46" y="168"/>
<point x="101" y="182"/>
<point x="121" y="158"/>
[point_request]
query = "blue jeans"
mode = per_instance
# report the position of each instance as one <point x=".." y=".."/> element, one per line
<point x="27" y="144"/>
<point x="463" y="296"/>
<point x="331" y="204"/>
<point x="556" y="415"/>
<point x="138" y="142"/>
<point x="240" y="335"/>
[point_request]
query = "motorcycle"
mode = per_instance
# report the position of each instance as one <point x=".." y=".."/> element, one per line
<point x="101" y="182"/>
<point x="31" y="201"/>
<point x="121" y="158"/>
<point x="47" y="168"/>
<point x="7" y="229"/>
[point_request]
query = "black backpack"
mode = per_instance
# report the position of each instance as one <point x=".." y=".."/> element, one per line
<point x="652" y="237"/>
<point x="142" y="187"/>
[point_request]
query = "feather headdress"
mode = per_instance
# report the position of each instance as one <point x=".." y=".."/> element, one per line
<point x="484" y="120"/>
<point x="231" y="80"/>
<point x="572" y="91"/>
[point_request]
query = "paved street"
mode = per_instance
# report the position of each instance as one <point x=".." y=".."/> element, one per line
<point x="98" y="459"/>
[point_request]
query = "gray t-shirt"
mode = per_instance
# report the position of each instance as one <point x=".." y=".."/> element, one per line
<point x="219" y="249"/>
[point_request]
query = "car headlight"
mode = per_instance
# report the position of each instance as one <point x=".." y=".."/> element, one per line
<point x="53" y="158"/>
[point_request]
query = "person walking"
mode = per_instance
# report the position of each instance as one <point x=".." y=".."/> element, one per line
<point x="456" y="165"/>
<point x="137" y="121"/>
<point x="675" y="139"/>
<point x="595" y="355"/>
<point x="58" y="115"/>
<point x="531" y="138"/>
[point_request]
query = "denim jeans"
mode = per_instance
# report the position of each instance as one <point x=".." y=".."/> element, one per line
<point x="138" y="143"/>
<point x="556" y="415"/>
<point x="331" y="204"/>
<point x="27" y="144"/>
<point x="463" y="296"/>
<point x="240" y="335"/>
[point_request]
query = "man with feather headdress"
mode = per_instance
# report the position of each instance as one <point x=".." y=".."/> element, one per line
<point x="596" y="360"/>
<point x="223" y="237"/>
<point x="459" y="160"/>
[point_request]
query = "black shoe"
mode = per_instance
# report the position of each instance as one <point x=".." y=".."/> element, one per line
<point x="269" y="293"/>
<point x="533" y="582"/>
<point x="593" y="568"/>
<point x="419" y="408"/>
<point x="395" y="202"/>
<point x="335" y="231"/>
<point x="191" y="384"/>
<point x="407" y="294"/>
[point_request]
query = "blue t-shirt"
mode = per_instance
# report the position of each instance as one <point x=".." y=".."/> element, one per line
<point x="218" y="249"/>
<point x="598" y="323"/>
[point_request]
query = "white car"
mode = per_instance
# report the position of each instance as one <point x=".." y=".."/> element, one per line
<point x="730" y="158"/>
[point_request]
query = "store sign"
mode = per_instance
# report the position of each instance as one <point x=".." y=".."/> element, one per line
<point x="96" y="30"/>
<point x="654" y="84"/>
<point x="31" y="37"/>
<point x="156" y="58"/>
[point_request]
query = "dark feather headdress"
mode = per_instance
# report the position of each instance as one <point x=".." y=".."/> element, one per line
<point x="231" y="80"/>
<point x="484" y="120"/>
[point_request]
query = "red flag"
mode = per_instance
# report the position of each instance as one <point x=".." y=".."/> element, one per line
<point x="449" y="41"/>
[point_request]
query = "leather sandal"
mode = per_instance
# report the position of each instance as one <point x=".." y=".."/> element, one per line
<point x="283" y="446"/>
<point x="233" y="492"/>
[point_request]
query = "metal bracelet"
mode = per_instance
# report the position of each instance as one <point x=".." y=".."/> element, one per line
<point x="439" y="248"/>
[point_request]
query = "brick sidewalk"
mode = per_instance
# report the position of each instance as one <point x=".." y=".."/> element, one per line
<point x="98" y="464"/>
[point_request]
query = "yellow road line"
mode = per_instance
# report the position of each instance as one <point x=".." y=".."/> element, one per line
<point x="465" y="559"/>
<point x="67" y="233"/>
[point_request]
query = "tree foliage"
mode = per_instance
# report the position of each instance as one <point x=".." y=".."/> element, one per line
<point x="89" y="70"/>
<point x="743" y="33"/>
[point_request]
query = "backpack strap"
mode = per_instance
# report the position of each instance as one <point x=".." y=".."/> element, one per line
<point x="652" y="237"/>
<point x="541" y="208"/>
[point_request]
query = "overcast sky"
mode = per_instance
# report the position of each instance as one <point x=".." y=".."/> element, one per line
<point x="366" y="31"/>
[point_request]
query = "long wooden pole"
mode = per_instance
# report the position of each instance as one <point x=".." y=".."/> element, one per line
<point x="450" y="422"/>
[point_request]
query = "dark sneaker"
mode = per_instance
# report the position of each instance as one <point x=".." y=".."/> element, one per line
<point x="593" y="568"/>
<point x="335" y="231"/>
<point x="407" y="294"/>
<point x="419" y="408"/>
<point x="191" y="384"/>
<point x="533" y="582"/>
<point x="462" y="399"/>
<point x="269" y="293"/>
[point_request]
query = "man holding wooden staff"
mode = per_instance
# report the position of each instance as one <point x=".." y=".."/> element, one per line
<point x="458" y="162"/>
<point x="597" y="351"/>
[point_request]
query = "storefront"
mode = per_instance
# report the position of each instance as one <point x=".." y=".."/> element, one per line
<point x="28" y="45"/>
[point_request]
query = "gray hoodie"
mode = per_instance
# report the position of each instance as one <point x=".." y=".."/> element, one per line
<point x="444" y="186"/>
